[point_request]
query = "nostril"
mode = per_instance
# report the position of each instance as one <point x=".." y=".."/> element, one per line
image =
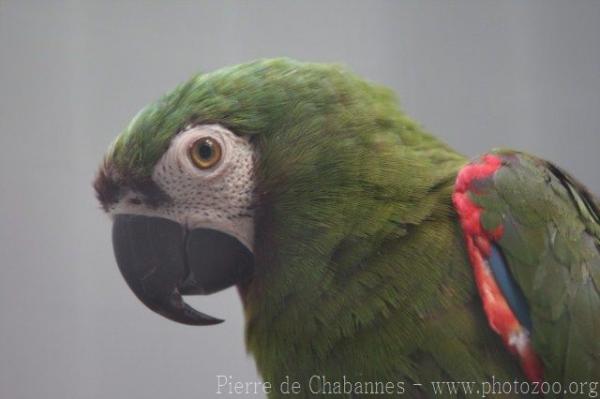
<point x="135" y="201"/>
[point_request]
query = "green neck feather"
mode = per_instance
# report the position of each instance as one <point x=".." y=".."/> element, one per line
<point x="346" y="178"/>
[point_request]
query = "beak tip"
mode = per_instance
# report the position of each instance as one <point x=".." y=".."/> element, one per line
<point x="206" y="321"/>
<point x="214" y="322"/>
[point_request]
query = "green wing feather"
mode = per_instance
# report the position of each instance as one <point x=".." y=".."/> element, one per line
<point x="552" y="245"/>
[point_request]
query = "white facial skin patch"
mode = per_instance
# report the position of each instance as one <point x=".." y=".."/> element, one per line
<point x="219" y="197"/>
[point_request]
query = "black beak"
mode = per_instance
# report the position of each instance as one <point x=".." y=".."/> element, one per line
<point x="161" y="260"/>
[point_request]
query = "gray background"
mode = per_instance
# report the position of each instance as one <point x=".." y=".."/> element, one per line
<point x="478" y="74"/>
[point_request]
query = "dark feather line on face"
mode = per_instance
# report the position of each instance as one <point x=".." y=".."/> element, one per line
<point x="152" y="194"/>
<point x="196" y="120"/>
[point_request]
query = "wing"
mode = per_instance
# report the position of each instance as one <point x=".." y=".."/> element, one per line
<point x="533" y="237"/>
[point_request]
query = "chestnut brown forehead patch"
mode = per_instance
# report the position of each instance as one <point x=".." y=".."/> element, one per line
<point x="110" y="189"/>
<point x="107" y="189"/>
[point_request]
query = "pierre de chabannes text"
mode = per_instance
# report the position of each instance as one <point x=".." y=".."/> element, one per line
<point x="322" y="385"/>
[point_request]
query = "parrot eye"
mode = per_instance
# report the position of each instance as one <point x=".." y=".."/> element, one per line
<point x="205" y="152"/>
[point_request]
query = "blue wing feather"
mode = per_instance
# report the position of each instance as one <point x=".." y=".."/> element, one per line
<point x="509" y="287"/>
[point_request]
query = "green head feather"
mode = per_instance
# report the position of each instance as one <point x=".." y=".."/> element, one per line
<point x="262" y="97"/>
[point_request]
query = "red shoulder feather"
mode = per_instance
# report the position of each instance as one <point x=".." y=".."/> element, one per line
<point x="500" y="316"/>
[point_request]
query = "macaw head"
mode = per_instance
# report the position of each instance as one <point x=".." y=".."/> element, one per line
<point x="259" y="176"/>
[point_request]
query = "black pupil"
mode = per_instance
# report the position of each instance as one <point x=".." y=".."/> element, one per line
<point x="205" y="150"/>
